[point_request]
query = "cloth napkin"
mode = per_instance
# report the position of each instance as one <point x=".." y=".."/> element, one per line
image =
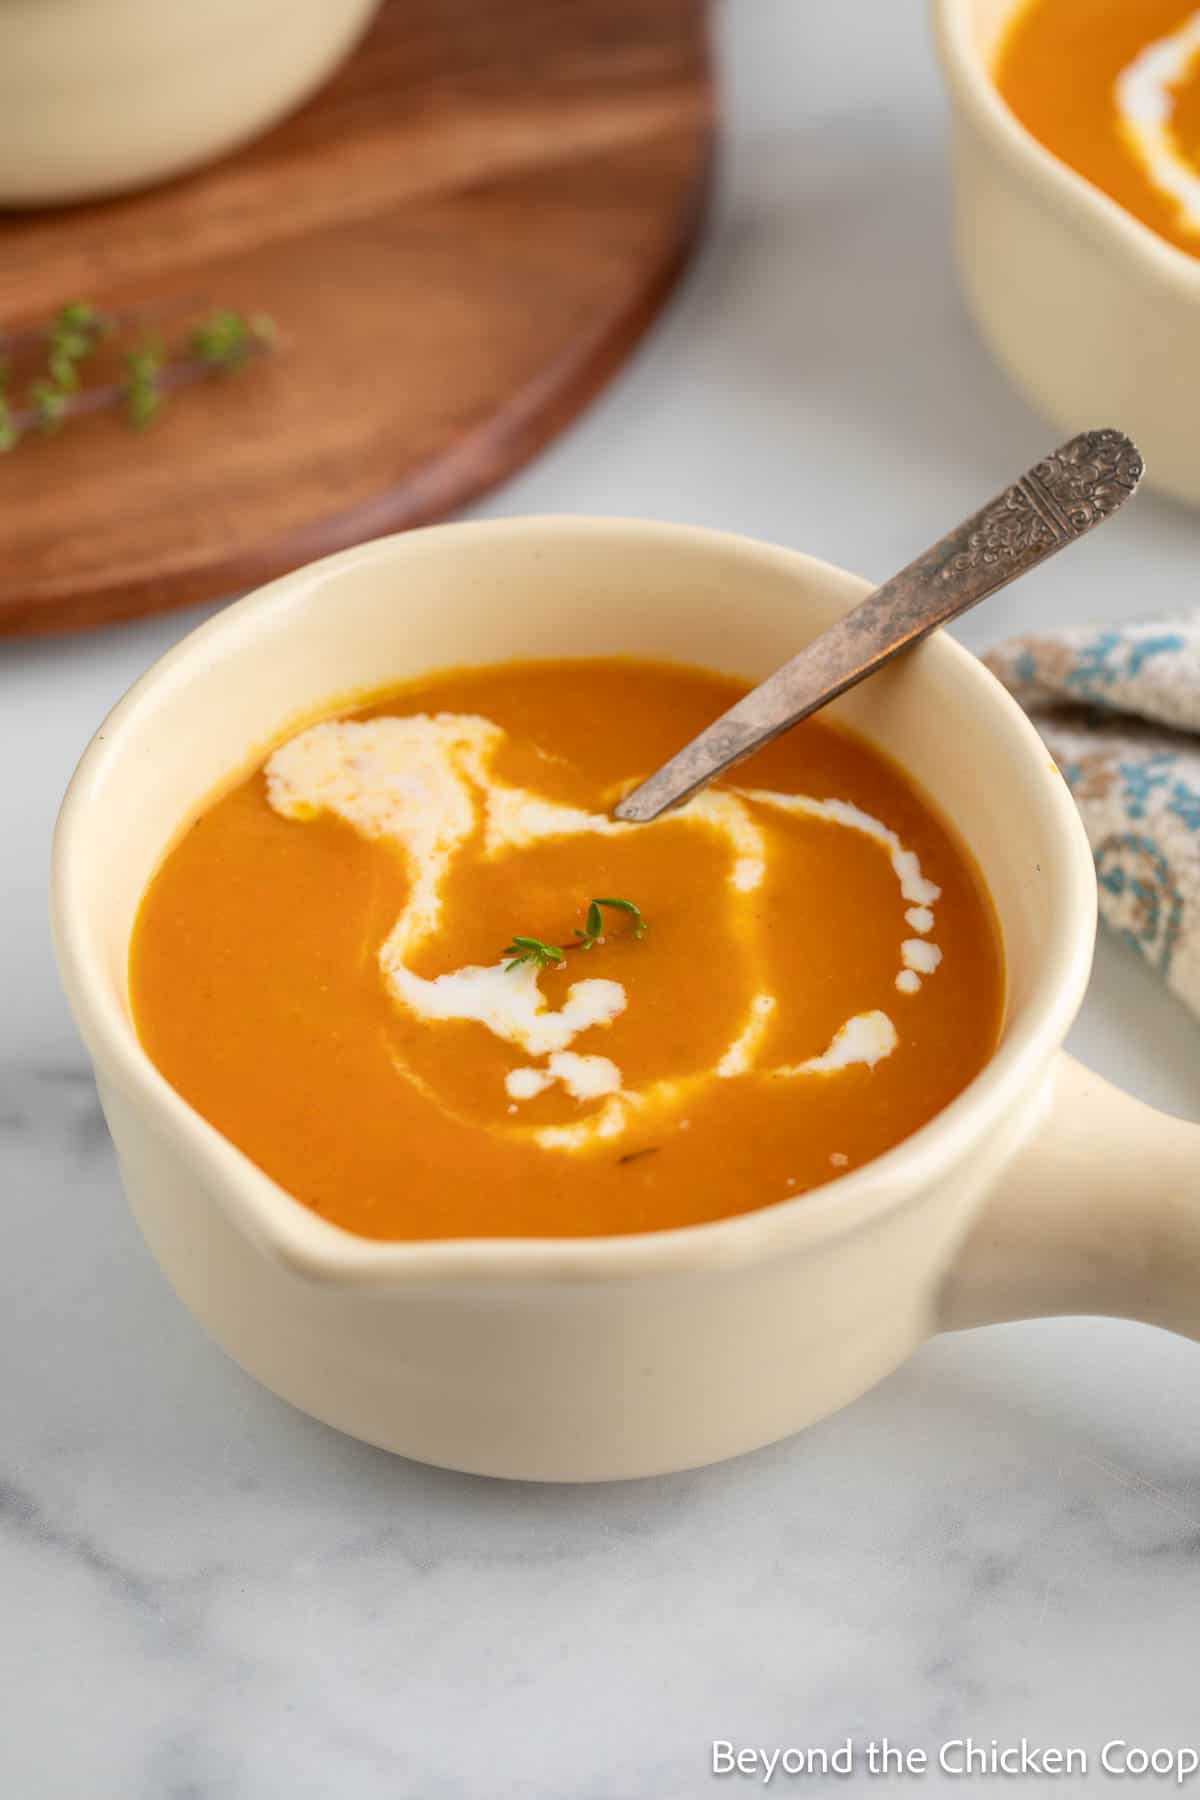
<point x="1119" y="709"/>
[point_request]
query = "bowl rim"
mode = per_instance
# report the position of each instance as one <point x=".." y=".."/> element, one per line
<point x="1104" y="219"/>
<point x="323" y="1252"/>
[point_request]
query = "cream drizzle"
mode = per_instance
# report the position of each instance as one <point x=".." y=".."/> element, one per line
<point x="1145" y="105"/>
<point x="426" y="784"/>
<point x="584" y="1077"/>
<point x="867" y="1038"/>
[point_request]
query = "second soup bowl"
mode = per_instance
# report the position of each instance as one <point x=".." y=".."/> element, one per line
<point x="1091" y="313"/>
<point x="1038" y="1190"/>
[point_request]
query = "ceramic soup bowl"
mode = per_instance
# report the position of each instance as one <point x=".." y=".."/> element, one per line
<point x="1039" y="1190"/>
<point x="1091" y="312"/>
<point x="97" y="96"/>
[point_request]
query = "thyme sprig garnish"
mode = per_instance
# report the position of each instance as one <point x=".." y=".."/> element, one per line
<point x="222" y="341"/>
<point x="532" y="950"/>
<point x="594" y="923"/>
<point x="548" y="956"/>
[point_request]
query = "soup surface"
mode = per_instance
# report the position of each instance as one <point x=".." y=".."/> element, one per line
<point x="776" y="983"/>
<point x="1113" y="88"/>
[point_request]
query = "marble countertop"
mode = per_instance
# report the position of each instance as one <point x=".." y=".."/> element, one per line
<point x="206" y="1596"/>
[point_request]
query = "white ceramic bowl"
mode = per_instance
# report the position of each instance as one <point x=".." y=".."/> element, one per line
<point x="1091" y="313"/>
<point x="98" y="96"/>
<point x="621" y="1356"/>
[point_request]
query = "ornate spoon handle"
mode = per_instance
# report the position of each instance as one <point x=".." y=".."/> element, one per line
<point x="1053" y="504"/>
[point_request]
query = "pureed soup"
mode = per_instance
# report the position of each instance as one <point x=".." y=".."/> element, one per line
<point x="1112" y="87"/>
<point x="416" y="971"/>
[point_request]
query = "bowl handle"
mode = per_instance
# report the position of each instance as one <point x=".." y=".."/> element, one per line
<point x="1098" y="1212"/>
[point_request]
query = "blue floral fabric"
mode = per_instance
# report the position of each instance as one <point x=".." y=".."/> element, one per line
<point x="1119" y="708"/>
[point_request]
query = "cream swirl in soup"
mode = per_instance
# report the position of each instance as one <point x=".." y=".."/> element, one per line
<point x="427" y="784"/>
<point x="412" y="966"/>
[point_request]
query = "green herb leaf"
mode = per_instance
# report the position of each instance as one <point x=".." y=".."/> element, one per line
<point x="79" y="315"/>
<point x="225" y="339"/>
<point x="594" y="923"/>
<point x="533" y="950"/>
<point x="71" y="337"/>
<point x="62" y="370"/>
<point x="143" y="390"/>
<point x="593" y="926"/>
<point x="48" y="404"/>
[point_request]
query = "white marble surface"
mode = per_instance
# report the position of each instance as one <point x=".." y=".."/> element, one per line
<point x="206" y="1596"/>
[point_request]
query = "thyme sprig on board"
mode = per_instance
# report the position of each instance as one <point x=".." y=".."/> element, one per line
<point x="548" y="956"/>
<point x="221" y="342"/>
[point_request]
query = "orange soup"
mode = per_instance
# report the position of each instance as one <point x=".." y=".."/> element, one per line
<point x="1112" y="87"/>
<point x="416" y="971"/>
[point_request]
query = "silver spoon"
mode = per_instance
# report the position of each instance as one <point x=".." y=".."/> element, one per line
<point x="1053" y="504"/>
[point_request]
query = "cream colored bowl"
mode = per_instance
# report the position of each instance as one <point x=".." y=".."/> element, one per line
<point x="1092" y="313"/>
<point x="580" y="1360"/>
<point x="97" y="96"/>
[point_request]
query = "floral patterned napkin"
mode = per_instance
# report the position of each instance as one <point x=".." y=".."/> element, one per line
<point x="1119" y="708"/>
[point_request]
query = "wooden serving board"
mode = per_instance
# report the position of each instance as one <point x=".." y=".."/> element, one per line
<point x="458" y="239"/>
